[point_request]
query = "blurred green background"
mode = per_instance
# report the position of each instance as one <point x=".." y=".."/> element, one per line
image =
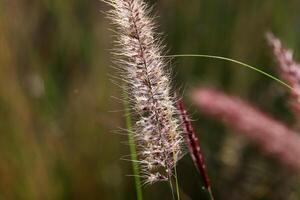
<point x="57" y="116"/>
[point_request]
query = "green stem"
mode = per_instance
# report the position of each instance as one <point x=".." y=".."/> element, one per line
<point x="234" y="61"/>
<point x="171" y="187"/>
<point x="176" y="183"/>
<point x="133" y="153"/>
<point x="176" y="177"/>
<point x="210" y="193"/>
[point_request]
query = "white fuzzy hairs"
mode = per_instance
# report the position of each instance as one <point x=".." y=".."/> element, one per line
<point x="139" y="58"/>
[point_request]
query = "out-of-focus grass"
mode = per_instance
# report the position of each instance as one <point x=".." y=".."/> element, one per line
<point x="55" y="124"/>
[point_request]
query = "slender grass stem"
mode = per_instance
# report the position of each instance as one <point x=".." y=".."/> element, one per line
<point x="176" y="183"/>
<point x="132" y="148"/>
<point x="172" y="189"/>
<point x="234" y="61"/>
<point x="210" y="194"/>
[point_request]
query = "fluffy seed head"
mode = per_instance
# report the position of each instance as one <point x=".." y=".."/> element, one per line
<point x="139" y="58"/>
<point x="271" y="135"/>
<point x="288" y="68"/>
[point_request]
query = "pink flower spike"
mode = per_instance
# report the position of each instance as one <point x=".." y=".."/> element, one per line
<point x="192" y="142"/>
<point x="269" y="134"/>
<point x="288" y="69"/>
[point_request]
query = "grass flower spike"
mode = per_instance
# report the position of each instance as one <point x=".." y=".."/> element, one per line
<point x="289" y="69"/>
<point x="139" y="58"/>
<point x="271" y="135"/>
<point x="192" y="142"/>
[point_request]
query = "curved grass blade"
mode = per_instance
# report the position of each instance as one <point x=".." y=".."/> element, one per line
<point x="233" y="61"/>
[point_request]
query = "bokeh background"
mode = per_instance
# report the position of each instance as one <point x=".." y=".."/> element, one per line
<point x="58" y="118"/>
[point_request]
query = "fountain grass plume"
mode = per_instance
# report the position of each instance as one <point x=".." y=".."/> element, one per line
<point x="139" y="58"/>
<point x="288" y="69"/>
<point x="271" y="135"/>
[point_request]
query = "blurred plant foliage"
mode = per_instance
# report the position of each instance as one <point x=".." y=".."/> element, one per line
<point x="56" y="124"/>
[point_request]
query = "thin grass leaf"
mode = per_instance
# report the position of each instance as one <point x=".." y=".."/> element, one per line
<point x="234" y="61"/>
